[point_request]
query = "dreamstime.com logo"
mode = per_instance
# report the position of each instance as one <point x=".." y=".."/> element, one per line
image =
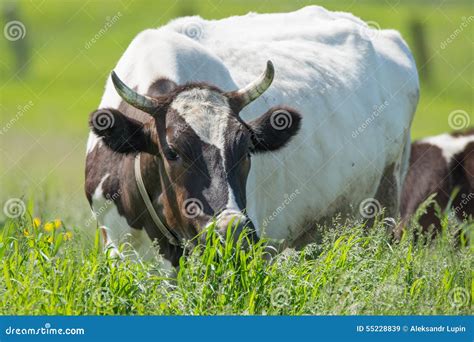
<point x="21" y="110"/>
<point x="369" y="208"/>
<point x="371" y="30"/>
<point x="459" y="297"/>
<point x="103" y="119"/>
<point x="288" y="198"/>
<point x="14" y="30"/>
<point x="459" y="119"/>
<point x="463" y="25"/>
<point x="46" y="330"/>
<point x="465" y="199"/>
<point x="14" y="208"/>
<point x="97" y="212"/>
<point x="192" y="208"/>
<point x="280" y="297"/>
<point x="193" y="30"/>
<point x="281" y="119"/>
<point x="376" y="112"/>
<point x="109" y="22"/>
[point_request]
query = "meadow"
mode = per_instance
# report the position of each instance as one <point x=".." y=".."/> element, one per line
<point x="47" y="269"/>
<point x="50" y="257"/>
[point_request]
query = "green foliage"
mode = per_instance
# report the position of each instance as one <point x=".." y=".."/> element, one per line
<point x="355" y="270"/>
<point x="46" y="270"/>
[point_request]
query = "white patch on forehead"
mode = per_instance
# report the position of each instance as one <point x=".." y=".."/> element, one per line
<point x="206" y="112"/>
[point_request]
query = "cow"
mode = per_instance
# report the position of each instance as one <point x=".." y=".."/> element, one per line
<point x="187" y="134"/>
<point x="441" y="166"/>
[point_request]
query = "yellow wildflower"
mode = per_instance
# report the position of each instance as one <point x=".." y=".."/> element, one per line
<point x="36" y="222"/>
<point x="57" y="223"/>
<point x="67" y="236"/>
<point x="49" y="227"/>
<point x="26" y="233"/>
<point x="50" y="239"/>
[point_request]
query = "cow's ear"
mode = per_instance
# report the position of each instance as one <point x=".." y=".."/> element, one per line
<point x="121" y="133"/>
<point x="274" y="129"/>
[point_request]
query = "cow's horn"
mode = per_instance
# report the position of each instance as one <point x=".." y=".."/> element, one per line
<point x="252" y="91"/>
<point x="143" y="102"/>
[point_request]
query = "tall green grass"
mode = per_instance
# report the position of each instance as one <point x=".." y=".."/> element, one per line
<point x="354" y="270"/>
<point x="47" y="269"/>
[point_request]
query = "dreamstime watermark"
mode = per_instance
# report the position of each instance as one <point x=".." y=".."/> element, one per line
<point x="465" y="22"/>
<point x="46" y="330"/>
<point x="101" y="297"/>
<point x="288" y="199"/>
<point x="459" y="297"/>
<point x="103" y="119"/>
<point x="459" y="119"/>
<point x="193" y="30"/>
<point x="371" y="30"/>
<point x="109" y="22"/>
<point x="14" y="30"/>
<point x="281" y="119"/>
<point x="99" y="211"/>
<point x="377" y="110"/>
<point x="465" y="199"/>
<point x="385" y="290"/>
<point x="369" y="208"/>
<point x="280" y="297"/>
<point x="192" y="207"/>
<point x="14" y="208"/>
<point x="21" y="110"/>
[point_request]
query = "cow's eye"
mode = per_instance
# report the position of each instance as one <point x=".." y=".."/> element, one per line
<point x="170" y="154"/>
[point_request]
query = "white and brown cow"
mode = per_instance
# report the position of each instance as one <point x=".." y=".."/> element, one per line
<point x="443" y="166"/>
<point x="214" y="138"/>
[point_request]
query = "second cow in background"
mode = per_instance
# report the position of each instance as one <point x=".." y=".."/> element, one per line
<point x="441" y="165"/>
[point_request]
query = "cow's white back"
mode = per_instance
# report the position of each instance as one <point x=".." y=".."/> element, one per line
<point x="331" y="67"/>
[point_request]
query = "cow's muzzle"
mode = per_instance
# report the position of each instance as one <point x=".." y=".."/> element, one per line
<point x="236" y="223"/>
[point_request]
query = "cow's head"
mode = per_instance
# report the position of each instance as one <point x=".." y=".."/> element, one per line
<point x="203" y="147"/>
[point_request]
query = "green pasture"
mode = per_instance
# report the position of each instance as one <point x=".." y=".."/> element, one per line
<point x="45" y="99"/>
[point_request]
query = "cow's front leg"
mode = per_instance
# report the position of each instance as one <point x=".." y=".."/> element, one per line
<point x="109" y="245"/>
